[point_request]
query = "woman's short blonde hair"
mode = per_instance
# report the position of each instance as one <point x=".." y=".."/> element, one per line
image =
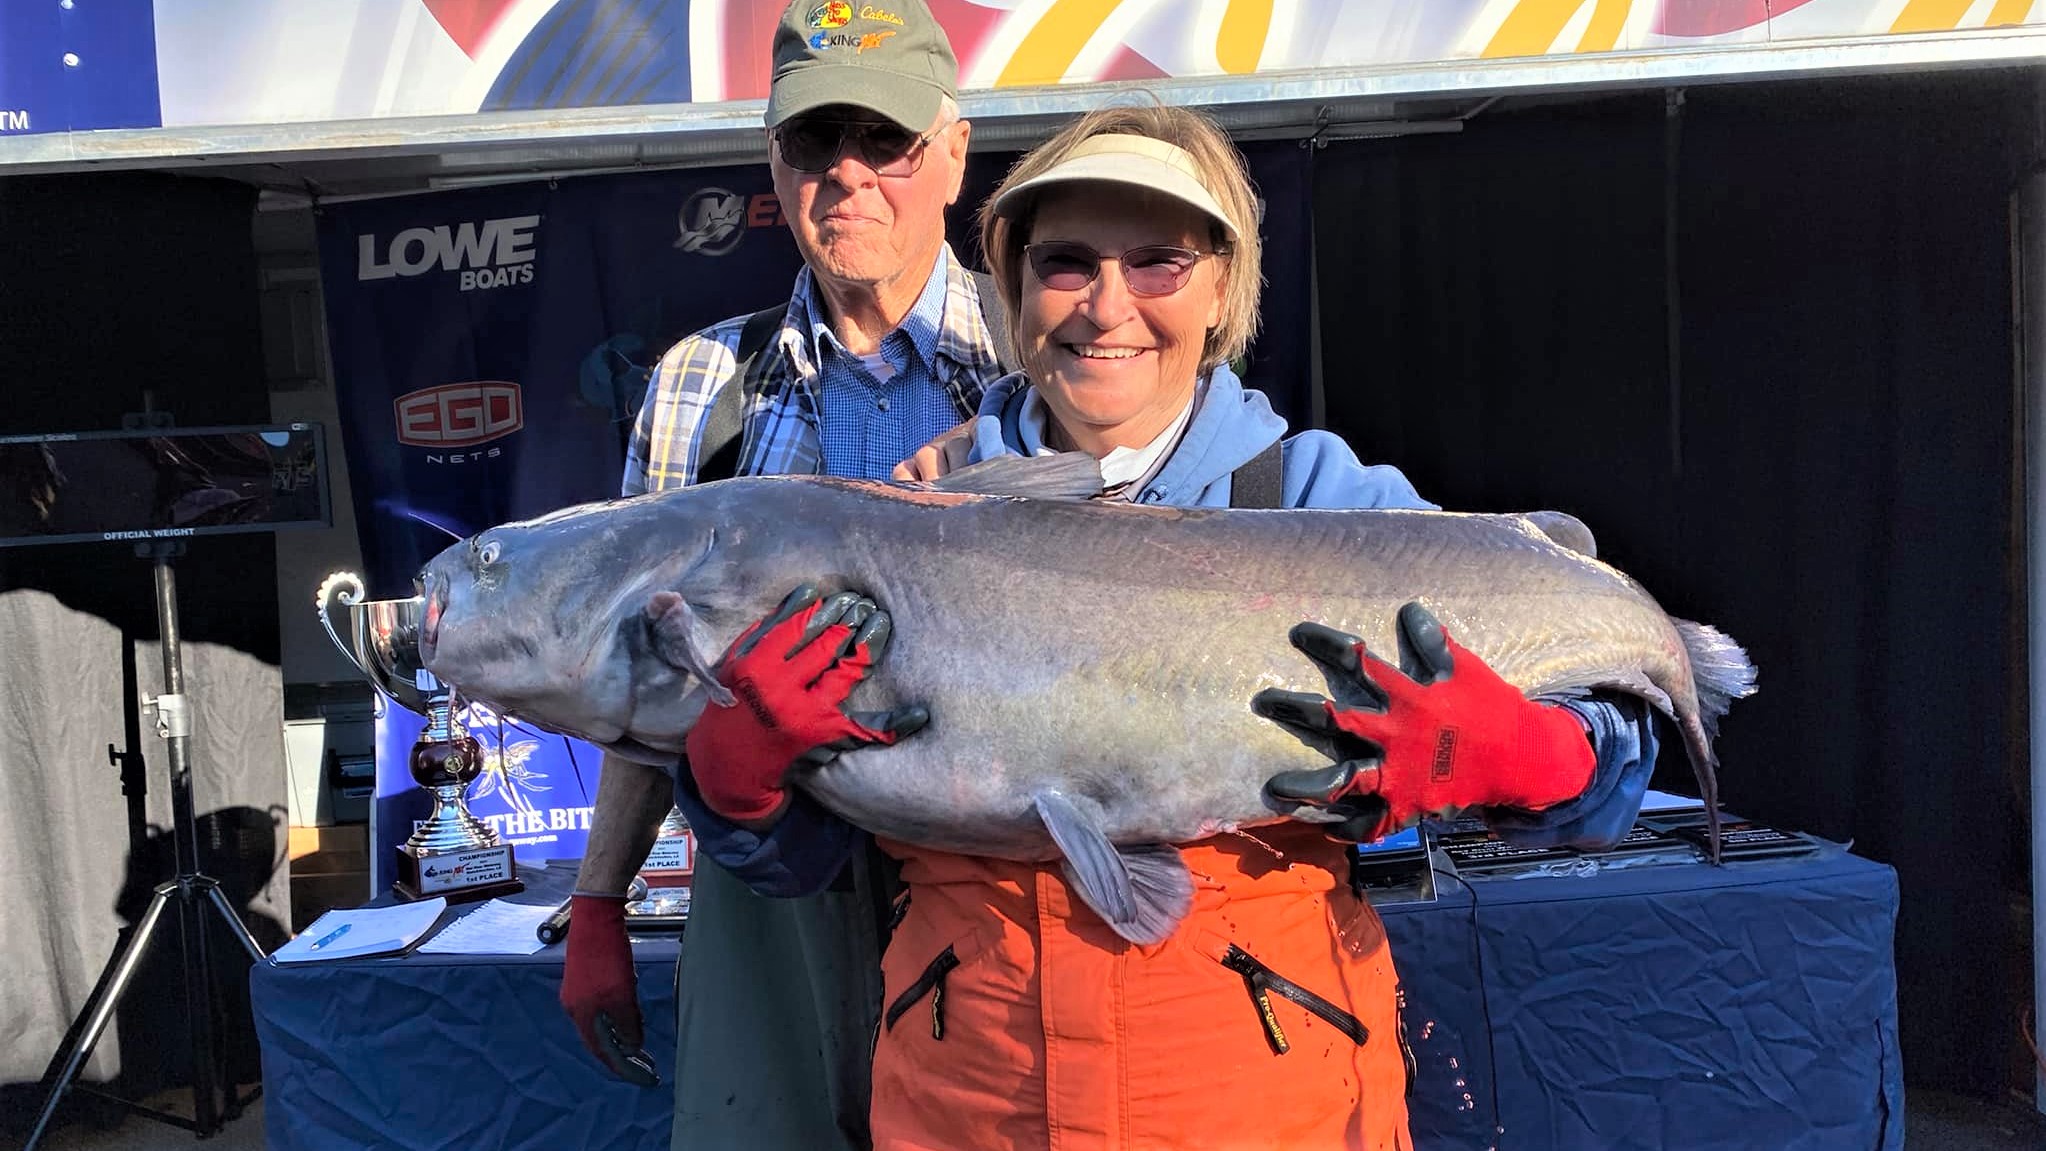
<point x="1222" y="173"/>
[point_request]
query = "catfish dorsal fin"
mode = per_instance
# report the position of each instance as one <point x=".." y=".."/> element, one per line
<point x="1065" y="476"/>
<point x="1565" y="529"/>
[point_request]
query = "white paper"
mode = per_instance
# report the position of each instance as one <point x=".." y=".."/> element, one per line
<point x="1665" y="801"/>
<point x="496" y="928"/>
<point x="359" y="931"/>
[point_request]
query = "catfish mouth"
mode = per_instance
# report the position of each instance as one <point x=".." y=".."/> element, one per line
<point x="436" y="607"/>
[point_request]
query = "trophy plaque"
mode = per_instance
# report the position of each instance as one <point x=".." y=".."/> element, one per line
<point x="667" y="873"/>
<point x="453" y="854"/>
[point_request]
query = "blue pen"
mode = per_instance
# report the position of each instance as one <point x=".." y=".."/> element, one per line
<point x="330" y="937"/>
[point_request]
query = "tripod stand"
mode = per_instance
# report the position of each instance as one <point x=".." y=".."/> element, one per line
<point x="214" y="1099"/>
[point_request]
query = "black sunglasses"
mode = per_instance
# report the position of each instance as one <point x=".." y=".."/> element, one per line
<point x="814" y="144"/>
<point x="1152" y="270"/>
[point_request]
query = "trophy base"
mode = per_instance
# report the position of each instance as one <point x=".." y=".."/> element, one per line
<point x="666" y="905"/>
<point x="458" y="876"/>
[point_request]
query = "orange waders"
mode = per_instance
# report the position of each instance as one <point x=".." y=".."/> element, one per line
<point x="1013" y="1018"/>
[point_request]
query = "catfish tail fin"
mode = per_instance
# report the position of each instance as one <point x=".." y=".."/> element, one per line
<point x="1722" y="673"/>
<point x="1719" y="667"/>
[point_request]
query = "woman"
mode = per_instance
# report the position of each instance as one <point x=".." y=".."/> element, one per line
<point x="1126" y="256"/>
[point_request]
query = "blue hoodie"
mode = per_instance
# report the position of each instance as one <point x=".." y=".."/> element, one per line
<point x="1229" y="427"/>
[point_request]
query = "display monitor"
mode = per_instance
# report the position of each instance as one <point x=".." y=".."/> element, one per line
<point x="162" y="483"/>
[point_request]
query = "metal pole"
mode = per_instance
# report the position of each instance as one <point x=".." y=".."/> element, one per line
<point x="176" y="722"/>
<point x="179" y="743"/>
<point x="2031" y="271"/>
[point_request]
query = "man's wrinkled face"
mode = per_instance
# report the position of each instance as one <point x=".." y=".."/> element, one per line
<point x="853" y="223"/>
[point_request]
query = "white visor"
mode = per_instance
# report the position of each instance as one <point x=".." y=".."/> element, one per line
<point x="1118" y="158"/>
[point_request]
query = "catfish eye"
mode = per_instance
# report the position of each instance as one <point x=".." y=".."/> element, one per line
<point x="488" y="553"/>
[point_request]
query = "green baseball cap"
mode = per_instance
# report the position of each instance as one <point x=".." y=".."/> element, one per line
<point x="891" y="58"/>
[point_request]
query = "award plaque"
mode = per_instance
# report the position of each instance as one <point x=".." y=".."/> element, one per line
<point x="667" y="875"/>
<point x="453" y="854"/>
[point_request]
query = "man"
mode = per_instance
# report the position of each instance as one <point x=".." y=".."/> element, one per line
<point x="883" y="346"/>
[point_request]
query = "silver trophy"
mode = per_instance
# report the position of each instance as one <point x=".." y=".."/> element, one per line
<point x="452" y="854"/>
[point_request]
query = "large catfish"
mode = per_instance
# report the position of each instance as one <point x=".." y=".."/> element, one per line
<point x="1088" y="664"/>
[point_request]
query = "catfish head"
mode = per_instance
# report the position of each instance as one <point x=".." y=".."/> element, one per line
<point x="599" y="621"/>
<point x="604" y="621"/>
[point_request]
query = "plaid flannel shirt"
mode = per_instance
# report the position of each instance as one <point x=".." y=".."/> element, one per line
<point x="781" y="419"/>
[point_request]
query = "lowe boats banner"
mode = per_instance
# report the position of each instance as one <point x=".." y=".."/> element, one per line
<point x="186" y="64"/>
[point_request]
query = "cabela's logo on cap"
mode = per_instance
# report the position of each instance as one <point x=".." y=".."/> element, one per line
<point x="831" y="14"/>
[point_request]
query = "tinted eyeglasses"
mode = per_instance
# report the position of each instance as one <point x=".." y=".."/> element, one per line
<point x="1152" y="270"/>
<point x="813" y="144"/>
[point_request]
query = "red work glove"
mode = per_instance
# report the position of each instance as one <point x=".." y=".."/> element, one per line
<point x="1440" y="733"/>
<point x="598" y="987"/>
<point x="791" y="672"/>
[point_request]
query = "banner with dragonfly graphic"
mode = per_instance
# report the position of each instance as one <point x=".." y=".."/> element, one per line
<point x="536" y="791"/>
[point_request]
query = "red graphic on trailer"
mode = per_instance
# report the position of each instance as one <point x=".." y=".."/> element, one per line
<point x="1718" y="17"/>
<point x="468" y="22"/>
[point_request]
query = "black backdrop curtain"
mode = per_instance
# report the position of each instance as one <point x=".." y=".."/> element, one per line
<point x="1820" y="461"/>
<point x="111" y="284"/>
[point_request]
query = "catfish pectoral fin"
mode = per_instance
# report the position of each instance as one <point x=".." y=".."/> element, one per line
<point x="673" y="628"/>
<point x="1143" y="891"/>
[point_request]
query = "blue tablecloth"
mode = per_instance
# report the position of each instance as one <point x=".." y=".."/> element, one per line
<point x="1677" y="1006"/>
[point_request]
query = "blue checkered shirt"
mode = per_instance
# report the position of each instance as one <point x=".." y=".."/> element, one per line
<point x="947" y="361"/>
<point x="814" y="408"/>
